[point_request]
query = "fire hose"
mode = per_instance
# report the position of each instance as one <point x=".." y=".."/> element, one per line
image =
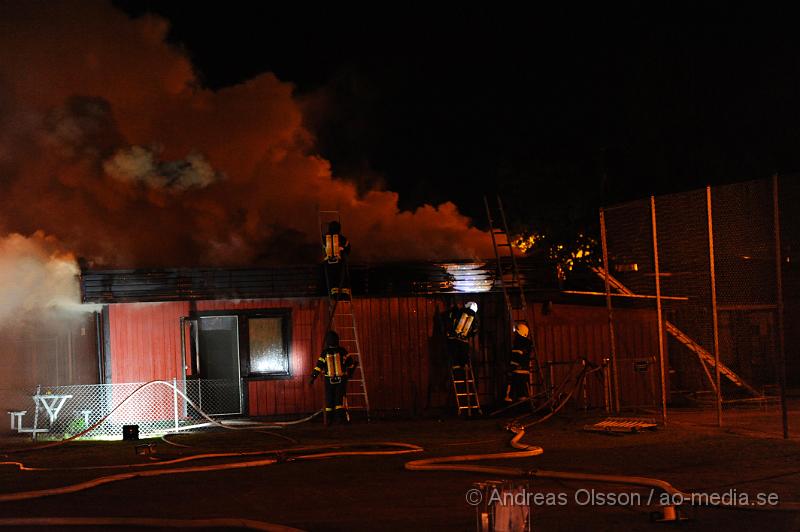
<point x="518" y="426"/>
<point x="316" y="452"/>
<point x="449" y="463"/>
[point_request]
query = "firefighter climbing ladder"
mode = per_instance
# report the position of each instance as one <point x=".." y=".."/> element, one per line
<point x="343" y="320"/>
<point x="464" y="388"/>
<point x="465" y="391"/>
<point x="511" y="283"/>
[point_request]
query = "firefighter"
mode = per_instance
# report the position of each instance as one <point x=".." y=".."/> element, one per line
<point x="337" y="366"/>
<point x="462" y="325"/>
<point x="336" y="249"/>
<point x="519" y="374"/>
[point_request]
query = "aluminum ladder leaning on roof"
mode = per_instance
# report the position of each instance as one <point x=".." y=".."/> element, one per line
<point x="513" y="289"/>
<point x="342" y="319"/>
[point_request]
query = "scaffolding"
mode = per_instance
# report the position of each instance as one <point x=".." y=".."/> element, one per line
<point x="710" y="264"/>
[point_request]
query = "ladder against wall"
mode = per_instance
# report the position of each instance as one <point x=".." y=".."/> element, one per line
<point x="342" y="319"/>
<point x="465" y="391"/>
<point x="344" y="323"/>
<point x="511" y="284"/>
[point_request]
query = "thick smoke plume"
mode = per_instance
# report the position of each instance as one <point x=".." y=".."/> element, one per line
<point x="108" y="142"/>
<point x="35" y="275"/>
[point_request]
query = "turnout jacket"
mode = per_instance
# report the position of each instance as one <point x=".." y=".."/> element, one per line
<point x="521" y="353"/>
<point x="337" y="247"/>
<point x="335" y="363"/>
<point x="462" y="324"/>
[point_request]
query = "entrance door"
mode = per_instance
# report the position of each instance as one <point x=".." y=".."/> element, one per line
<point x="217" y="359"/>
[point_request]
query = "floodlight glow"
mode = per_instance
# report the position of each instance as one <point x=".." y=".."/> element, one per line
<point x="470" y="277"/>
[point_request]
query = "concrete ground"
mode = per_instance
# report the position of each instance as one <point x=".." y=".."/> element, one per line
<point x="376" y="492"/>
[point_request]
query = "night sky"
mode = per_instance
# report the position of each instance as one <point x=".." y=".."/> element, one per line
<point x="558" y="111"/>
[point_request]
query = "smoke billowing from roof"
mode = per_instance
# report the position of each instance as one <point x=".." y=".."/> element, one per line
<point x="35" y="275"/>
<point x="108" y="142"/>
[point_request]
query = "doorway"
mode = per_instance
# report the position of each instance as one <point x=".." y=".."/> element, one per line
<point x="216" y="354"/>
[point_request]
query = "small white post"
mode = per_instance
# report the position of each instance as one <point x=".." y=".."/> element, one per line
<point x="175" y="400"/>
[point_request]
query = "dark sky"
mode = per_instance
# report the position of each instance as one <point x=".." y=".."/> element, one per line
<point x="559" y="111"/>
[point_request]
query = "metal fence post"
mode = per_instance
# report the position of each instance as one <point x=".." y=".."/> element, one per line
<point x="175" y="400"/>
<point x="613" y="346"/>
<point x="35" y="412"/>
<point x="661" y="361"/>
<point x="779" y="289"/>
<point x="714" y="317"/>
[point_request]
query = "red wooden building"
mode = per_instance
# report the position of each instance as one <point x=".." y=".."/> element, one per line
<point x="265" y="328"/>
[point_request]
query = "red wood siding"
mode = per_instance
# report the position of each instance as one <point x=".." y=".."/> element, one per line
<point x="145" y="341"/>
<point x="570" y="331"/>
<point x="295" y="394"/>
<point x="403" y="358"/>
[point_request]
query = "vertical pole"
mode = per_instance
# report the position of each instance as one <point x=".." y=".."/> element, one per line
<point x="606" y="386"/>
<point x="70" y="358"/>
<point x="613" y="346"/>
<point x="182" y="321"/>
<point x="659" y="316"/>
<point x="779" y="285"/>
<point x="183" y="366"/>
<point x="35" y="412"/>
<point x="98" y="325"/>
<point x="714" y="317"/>
<point x="175" y="400"/>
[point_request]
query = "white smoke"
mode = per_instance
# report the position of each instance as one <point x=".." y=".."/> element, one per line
<point x="140" y="165"/>
<point x="36" y="277"/>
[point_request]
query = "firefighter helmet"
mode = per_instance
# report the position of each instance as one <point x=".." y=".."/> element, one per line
<point x="471" y="305"/>
<point x="522" y="329"/>
<point x="331" y="339"/>
<point x="334" y="227"/>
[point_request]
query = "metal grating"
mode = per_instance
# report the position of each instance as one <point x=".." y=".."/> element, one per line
<point x="622" y="424"/>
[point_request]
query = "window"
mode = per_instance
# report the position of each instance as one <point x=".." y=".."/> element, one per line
<point x="261" y="340"/>
<point x="268" y="345"/>
<point x="267" y="354"/>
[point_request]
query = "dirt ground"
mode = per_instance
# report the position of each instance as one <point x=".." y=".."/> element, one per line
<point x="747" y="456"/>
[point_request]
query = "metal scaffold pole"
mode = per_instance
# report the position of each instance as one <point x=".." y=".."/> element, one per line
<point x="714" y="315"/>
<point x="779" y="294"/>
<point x="612" y="341"/>
<point x="661" y="361"/>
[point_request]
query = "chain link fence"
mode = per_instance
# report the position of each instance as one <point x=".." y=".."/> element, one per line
<point x="629" y="244"/>
<point x="707" y="263"/>
<point x="158" y="407"/>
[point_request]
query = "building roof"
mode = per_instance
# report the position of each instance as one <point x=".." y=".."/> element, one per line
<point x="185" y="284"/>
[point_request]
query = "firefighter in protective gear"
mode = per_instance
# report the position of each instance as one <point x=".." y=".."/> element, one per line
<point x="338" y="367"/>
<point x="336" y="250"/>
<point x="462" y="325"/>
<point x="519" y="373"/>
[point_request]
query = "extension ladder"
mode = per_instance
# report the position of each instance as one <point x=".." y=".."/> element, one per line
<point x="465" y="391"/>
<point x="342" y="319"/>
<point x="511" y="285"/>
<point x="344" y="323"/>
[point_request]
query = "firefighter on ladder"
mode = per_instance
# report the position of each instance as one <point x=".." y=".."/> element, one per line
<point x="463" y="324"/>
<point x="519" y="374"/>
<point x="337" y="248"/>
<point x="338" y="367"/>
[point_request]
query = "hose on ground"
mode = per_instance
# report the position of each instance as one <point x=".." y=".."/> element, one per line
<point x="449" y="463"/>
<point x="216" y="523"/>
<point x="281" y="455"/>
